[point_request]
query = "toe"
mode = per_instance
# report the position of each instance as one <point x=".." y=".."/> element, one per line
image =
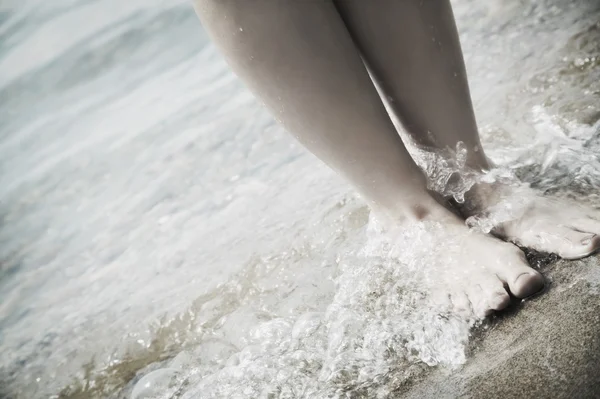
<point x="461" y="304"/>
<point x="573" y="244"/>
<point x="498" y="300"/>
<point x="569" y="242"/>
<point x="495" y="294"/>
<point x="578" y="240"/>
<point x="522" y="280"/>
<point x="589" y="236"/>
<point x="586" y="245"/>
<point x="525" y="284"/>
<point x="478" y="301"/>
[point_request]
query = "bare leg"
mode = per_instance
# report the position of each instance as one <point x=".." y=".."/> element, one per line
<point x="413" y="50"/>
<point x="298" y="57"/>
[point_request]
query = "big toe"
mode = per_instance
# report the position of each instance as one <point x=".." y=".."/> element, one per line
<point x="585" y="245"/>
<point x="569" y="243"/>
<point x="526" y="284"/>
<point x="521" y="279"/>
<point x="588" y="237"/>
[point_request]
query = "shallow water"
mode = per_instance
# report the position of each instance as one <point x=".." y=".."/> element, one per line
<point x="154" y="217"/>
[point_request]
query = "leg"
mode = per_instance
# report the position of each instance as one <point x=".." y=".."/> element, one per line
<point x="298" y="57"/>
<point x="413" y="50"/>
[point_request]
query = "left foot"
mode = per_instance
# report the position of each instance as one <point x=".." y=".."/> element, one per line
<point x="517" y="214"/>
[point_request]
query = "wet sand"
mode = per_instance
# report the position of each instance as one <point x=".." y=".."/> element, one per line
<point x="152" y="210"/>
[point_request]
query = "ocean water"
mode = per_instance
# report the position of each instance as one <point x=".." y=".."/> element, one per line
<point x="162" y="237"/>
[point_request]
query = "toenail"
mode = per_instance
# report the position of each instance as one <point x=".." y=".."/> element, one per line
<point x="528" y="274"/>
<point x="528" y="285"/>
<point x="588" y="239"/>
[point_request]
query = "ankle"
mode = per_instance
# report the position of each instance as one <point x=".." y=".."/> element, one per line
<point x="429" y="206"/>
<point x="491" y="191"/>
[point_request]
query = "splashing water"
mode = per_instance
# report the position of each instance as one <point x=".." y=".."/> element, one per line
<point x="163" y="239"/>
<point x="376" y="335"/>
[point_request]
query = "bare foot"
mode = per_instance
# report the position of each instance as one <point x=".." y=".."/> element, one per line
<point x="477" y="273"/>
<point x="519" y="215"/>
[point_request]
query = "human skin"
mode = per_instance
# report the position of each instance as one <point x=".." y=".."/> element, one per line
<point x="313" y="64"/>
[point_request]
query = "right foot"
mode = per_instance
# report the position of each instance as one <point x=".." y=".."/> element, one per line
<point x="475" y="273"/>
